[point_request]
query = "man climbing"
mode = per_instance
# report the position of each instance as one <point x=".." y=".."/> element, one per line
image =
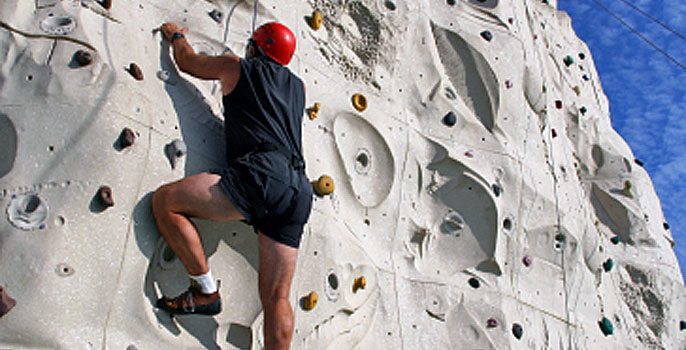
<point x="263" y="183"/>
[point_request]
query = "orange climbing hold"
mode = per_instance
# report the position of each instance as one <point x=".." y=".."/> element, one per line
<point x="359" y="102"/>
<point x="324" y="185"/>
<point x="310" y="301"/>
<point x="359" y="283"/>
<point x="312" y="111"/>
<point x="316" y="20"/>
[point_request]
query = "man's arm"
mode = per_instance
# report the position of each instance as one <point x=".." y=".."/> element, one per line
<point x="225" y="68"/>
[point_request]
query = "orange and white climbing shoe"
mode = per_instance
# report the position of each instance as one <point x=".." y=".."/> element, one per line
<point x="192" y="302"/>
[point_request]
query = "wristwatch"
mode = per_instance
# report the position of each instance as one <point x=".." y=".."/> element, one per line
<point x="175" y="36"/>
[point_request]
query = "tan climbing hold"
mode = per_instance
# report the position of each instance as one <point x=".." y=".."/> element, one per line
<point x="360" y="283"/>
<point x="316" y="20"/>
<point x="359" y="102"/>
<point x="310" y="301"/>
<point x="324" y="185"/>
<point x="627" y="189"/>
<point x="135" y="71"/>
<point x="312" y="111"/>
<point x="577" y="90"/>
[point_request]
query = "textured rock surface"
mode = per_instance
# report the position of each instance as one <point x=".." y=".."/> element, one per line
<point x="482" y="194"/>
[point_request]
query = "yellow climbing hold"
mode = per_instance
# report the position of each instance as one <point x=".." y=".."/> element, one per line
<point x="360" y="283"/>
<point x="310" y="301"/>
<point x="359" y="102"/>
<point x="312" y="111"/>
<point x="316" y="20"/>
<point x="324" y="185"/>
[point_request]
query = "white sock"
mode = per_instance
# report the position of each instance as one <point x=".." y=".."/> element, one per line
<point x="206" y="282"/>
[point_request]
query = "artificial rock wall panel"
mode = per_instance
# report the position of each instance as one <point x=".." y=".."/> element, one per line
<point x="482" y="193"/>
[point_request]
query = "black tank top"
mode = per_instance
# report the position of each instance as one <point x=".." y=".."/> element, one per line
<point x="266" y="106"/>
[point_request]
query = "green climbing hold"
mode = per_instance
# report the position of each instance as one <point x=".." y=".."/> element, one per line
<point x="569" y="60"/>
<point x="606" y="326"/>
<point x="583" y="110"/>
<point x="615" y="240"/>
<point x="608" y="265"/>
<point x="585" y="77"/>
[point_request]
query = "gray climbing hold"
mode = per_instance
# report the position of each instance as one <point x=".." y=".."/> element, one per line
<point x="450" y="119"/>
<point x="28" y="211"/>
<point x="175" y="150"/>
<point x="58" y="25"/>
<point x="487" y="35"/>
<point x="517" y="330"/>
<point x="606" y="326"/>
<point x="474" y="282"/>
<point x="216" y="15"/>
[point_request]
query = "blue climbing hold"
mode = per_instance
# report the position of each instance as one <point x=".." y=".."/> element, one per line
<point x="488" y="36"/>
<point x="665" y="225"/>
<point x="450" y="119"/>
<point x="608" y="265"/>
<point x="606" y="326"/>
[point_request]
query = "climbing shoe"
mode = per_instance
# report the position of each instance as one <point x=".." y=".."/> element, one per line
<point x="192" y="302"/>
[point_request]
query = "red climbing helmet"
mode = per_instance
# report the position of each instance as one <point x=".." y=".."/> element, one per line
<point x="276" y="41"/>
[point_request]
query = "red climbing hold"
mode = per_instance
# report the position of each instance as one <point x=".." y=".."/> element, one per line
<point x="558" y="104"/>
<point x="492" y="323"/>
<point x="126" y="138"/>
<point x="105" y="196"/>
<point x="6" y="302"/>
<point x="135" y="71"/>
<point x="527" y="260"/>
<point x="554" y="132"/>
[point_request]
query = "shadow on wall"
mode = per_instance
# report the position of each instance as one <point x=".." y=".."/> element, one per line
<point x="470" y="74"/>
<point x="165" y="272"/>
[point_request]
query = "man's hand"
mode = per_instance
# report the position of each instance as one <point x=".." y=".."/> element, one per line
<point x="169" y="28"/>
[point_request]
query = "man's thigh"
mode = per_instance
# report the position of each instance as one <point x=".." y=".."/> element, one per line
<point x="277" y="266"/>
<point x="200" y="196"/>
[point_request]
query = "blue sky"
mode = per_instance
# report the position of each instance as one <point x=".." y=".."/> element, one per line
<point x="647" y="92"/>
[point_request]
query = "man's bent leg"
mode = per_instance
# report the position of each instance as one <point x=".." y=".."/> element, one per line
<point x="197" y="196"/>
<point x="277" y="266"/>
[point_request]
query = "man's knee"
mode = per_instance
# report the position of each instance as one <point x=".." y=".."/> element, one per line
<point x="161" y="200"/>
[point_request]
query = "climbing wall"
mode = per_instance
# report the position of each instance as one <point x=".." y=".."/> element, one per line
<point x="481" y="198"/>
